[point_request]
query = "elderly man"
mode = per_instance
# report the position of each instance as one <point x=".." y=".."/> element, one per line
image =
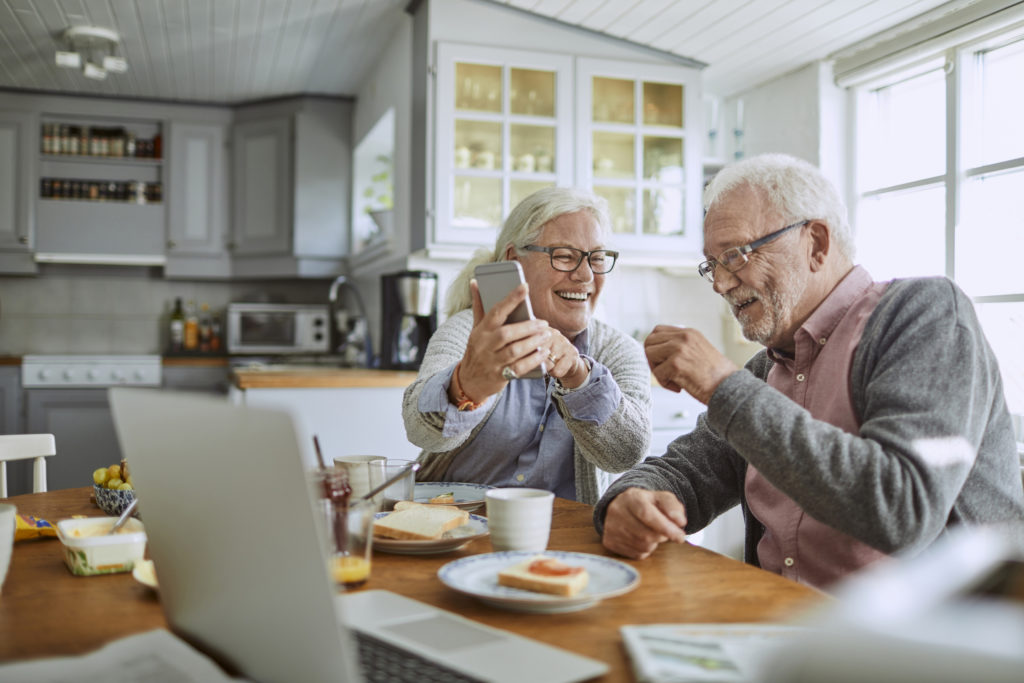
<point x="873" y="421"/>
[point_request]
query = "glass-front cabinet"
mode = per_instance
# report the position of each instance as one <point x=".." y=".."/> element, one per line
<point x="638" y="146"/>
<point x="504" y="121"/>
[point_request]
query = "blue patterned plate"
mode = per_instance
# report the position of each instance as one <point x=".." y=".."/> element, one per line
<point x="467" y="496"/>
<point x="454" y="539"/>
<point x="477" y="575"/>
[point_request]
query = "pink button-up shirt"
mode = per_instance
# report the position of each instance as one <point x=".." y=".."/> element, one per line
<point x="796" y="545"/>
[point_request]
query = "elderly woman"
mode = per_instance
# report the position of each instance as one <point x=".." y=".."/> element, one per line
<point x="471" y="410"/>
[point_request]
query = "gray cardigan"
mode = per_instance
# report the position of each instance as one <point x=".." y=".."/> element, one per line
<point x="599" y="449"/>
<point x="935" y="449"/>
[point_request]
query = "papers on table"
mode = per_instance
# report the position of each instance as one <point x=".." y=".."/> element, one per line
<point x="156" y="656"/>
<point x="685" y="653"/>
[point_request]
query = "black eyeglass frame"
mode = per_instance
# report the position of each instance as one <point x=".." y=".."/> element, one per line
<point x="706" y="269"/>
<point x="550" y="251"/>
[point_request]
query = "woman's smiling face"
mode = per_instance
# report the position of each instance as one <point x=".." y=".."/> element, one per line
<point x="565" y="300"/>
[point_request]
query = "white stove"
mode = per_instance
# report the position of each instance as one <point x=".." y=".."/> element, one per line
<point x="90" y="371"/>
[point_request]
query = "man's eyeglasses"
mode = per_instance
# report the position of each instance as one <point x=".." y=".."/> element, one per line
<point x="568" y="259"/>
<point x="735" y="258"/>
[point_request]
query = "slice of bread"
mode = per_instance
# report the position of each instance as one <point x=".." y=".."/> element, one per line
<point x="418" y="522"/>
<point x="566" y="585"/>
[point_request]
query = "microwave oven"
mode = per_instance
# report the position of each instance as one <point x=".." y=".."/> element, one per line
<point x="277" y="328"/>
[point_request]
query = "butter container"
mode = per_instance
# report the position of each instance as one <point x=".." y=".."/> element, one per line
<point x="88" y="550"/>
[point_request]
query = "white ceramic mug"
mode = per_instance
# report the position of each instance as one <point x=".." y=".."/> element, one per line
<point x="7" y="513"/>
<point x="365" y="472"/>
<point x="519" y="519"/>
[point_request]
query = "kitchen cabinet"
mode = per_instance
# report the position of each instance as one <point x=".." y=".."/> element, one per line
<point x="17" y="185"/>
<point x="504" y="130"/>
<point x="197" y="198"/>
<point x="291" y="169"/>
<point x="10" y="399"/>
<point x="83" y="426"/>
<point x="638" y="146"/>
<point x="100" y="193"/>
<point x="509" y="122"/>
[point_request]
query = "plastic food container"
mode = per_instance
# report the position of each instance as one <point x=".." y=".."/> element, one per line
<point x="89" y="551"/>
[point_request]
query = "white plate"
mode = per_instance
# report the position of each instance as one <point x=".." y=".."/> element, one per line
<point x="477" y="575"/>
<point x="453" y="539"/>
<point x="467" y="496"/>
<point x="145" y="574"/>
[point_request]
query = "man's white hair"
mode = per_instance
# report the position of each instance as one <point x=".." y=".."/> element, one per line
<point x="794" y="188"/>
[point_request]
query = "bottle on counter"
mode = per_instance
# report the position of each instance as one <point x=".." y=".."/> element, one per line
<point x="216" y="334"/>
<point x="191" y="327"/>
<point x="177" y="327"/>
<point x="205" y="328"/>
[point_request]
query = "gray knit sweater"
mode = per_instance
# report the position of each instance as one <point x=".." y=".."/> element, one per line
<point x="935" y="448"/>
<point x="612" y="446"/>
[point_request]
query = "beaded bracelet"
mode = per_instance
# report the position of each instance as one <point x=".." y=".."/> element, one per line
<point x="462" y="402"/>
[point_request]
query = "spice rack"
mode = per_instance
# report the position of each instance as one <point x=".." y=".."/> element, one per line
<point x="100" y="186"/>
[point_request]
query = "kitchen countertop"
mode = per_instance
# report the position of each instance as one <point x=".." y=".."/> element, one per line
<point x="312" y="376"/>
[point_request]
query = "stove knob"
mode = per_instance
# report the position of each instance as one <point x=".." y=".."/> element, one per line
<point x="117" y="376"/>
<point x="138" y="376"/>
<point x="68" y="375"/>
<point x="44" y="374"/>
<point x="91" y="375"/>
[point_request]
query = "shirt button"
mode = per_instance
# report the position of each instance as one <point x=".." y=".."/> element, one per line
<point x="520" y="477"/>
<point x="822" y="341"/>
<point x="801" y="377"/>
<point x="788" y="561"/>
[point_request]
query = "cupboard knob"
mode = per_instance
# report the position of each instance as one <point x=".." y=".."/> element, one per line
<point x="171" y="244"/>
<point x="23" y="240"/>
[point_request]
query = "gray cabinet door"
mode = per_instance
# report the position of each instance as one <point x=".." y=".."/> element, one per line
<point x="263" y="187"/>
<point x="83" y="427"/>
<point x="18" y="137"/>
<point x="197" y="228"/>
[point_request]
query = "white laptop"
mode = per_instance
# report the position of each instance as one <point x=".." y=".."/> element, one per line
<point x="242" y="572"/>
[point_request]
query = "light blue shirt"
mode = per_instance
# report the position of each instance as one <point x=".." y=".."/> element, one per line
<point x="525" y="442"/>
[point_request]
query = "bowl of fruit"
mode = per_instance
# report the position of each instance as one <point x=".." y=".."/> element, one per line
<point x="113" y="489"/>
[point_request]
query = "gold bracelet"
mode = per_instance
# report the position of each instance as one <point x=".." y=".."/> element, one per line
<point x="462" y="402"/>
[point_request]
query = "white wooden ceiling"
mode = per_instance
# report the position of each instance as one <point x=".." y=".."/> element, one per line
<point x="228" y="51"/>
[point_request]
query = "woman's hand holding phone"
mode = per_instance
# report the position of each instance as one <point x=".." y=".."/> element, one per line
<point x="494" y="345"/>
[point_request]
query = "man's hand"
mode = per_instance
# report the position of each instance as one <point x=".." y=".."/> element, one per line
<point x="681" y="358"/>
<point x="638" y="521"/>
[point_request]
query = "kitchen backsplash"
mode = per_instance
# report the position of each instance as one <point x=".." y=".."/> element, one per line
<point x="106" y="309"/>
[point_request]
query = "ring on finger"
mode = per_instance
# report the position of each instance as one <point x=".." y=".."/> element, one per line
<point x="508" y="373"/>
<point x="553" y="358"/>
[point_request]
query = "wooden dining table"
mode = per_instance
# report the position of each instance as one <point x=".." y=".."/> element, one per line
<point x="47" y="611"/>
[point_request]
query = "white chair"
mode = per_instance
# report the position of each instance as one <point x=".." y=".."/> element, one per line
<point x="36" y="447"/>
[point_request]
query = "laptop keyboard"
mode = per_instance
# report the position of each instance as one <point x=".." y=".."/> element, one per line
<point x="382" y="662"/>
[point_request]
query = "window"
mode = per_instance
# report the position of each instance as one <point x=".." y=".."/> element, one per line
<point x="940" y="183"/>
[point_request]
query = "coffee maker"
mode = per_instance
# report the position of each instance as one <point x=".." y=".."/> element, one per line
<point x="409" y="317"/>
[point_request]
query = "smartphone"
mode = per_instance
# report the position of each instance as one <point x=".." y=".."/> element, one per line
<point x="495" y="281"/>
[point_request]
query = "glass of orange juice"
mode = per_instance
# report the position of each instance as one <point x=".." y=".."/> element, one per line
<point x="352" y="550"/>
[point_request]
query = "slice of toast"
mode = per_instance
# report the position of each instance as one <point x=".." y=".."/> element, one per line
<point x="566" y="585"/>
<point x="419" y="522"/>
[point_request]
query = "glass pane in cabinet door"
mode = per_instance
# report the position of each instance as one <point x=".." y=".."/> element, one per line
<point x="532" y="148"/>
<point x="613" y="100"/>
<point x="477" y="202"/>
<point x="621" y="206"/>
<point x="531" y="92"/>
<point x="478" y="144"/>
<point x="521" y="189"/>
<point x="663" y="159"/>
<point x="663" y="211"/>
<point x="663" y="104"/>
<point x="477" y="87"/>
<point x="613" y="155"/>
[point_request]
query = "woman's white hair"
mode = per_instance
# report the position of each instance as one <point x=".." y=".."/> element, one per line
<point x="796" y="189"/>
<point x="522" y="227"/>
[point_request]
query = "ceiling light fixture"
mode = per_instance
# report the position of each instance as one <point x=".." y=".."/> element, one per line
<point x="92" y="49"/>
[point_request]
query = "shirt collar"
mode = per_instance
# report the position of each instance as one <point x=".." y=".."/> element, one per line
<point x="830" y="312"/>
